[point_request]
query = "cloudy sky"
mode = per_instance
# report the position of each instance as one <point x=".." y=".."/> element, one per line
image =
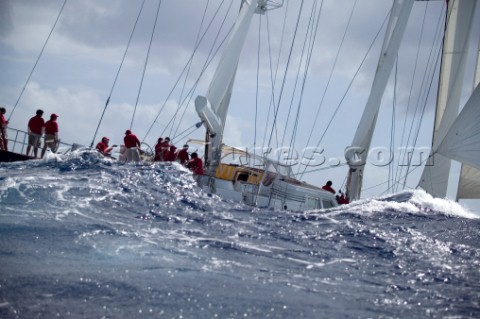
<point x="76" y="72"/>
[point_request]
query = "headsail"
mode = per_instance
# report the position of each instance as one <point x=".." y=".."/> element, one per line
<point x="460" y="20"/>
<point x="469" y="183"/>
<point x="462" y="142"/>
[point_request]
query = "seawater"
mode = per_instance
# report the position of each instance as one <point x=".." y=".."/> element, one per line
<point x="85" y="237"/>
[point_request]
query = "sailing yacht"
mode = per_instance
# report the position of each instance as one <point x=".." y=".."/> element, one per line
<point x="273" y="185"/>
<point x="247" y="184"/>
<point x="263" y="180"/>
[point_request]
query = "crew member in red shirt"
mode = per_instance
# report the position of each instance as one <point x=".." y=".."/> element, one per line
<point x="3" y="130"/>
<point x="165" y="148"/>
<point x="342" y="199"/>
<point x="159" y="150"/>
<point x="195" y="164"/>
<point x="171" y="155"/>
<point x="328" y="187"/>
<point x="132" y="144"/>
<point x="35" y="131"/>
<point x="183" y="155"/>
<point x="51" y="134"/>
<point x="103" y="147"/>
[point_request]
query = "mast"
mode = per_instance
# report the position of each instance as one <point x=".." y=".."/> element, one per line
<point x="356" y="155"/>
<point x="212" y="108"/>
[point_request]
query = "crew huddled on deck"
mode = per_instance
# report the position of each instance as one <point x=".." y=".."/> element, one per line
<point x="167" y="152"/>
<point x="341" y="198"/>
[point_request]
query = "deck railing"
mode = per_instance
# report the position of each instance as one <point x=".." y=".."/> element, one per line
<point x="18" y="141"/>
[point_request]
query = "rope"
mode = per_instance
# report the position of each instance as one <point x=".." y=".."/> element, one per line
<point x="145" y="64"/>
<point x="118" y="72"/>
<point x="38" y="59"/>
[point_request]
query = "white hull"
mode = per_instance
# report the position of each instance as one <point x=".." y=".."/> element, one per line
<point x="282" y="195"/>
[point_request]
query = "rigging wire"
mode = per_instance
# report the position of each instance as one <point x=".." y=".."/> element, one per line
<point x="188" y="73"/>
<point x="390" y="189"/>
<point x="256" y="90"/>
<point x="392" y="129"/>
<point x="194" y="87"/>
<point x="331" y="73"/>
<point x="210" y="56"/>
<point x="313" y="36"/>
<point x="349" y="86"/>
<point x="38" y="59"/>
<point x="297" y="76"/>
<point x="184" y="133"/>
<point x="273" y="78"/>
<point x="145" y="64"/>
<point x="118" y="72"/>
<point x="312" y="39"/>
<point x="321" y="169"/>
<point x="285" y="75"/>
<point x="411" y="88"/>
<point x="421" y="119"/>
<point x="183" y="71"/>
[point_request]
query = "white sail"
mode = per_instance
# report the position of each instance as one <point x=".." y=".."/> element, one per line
<point x="469" y="186"/>
<point x="460" y="16"/>
<point x="462" y="142"/>
<point x="356" y="155"/>
<point x="469" y="182"/>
